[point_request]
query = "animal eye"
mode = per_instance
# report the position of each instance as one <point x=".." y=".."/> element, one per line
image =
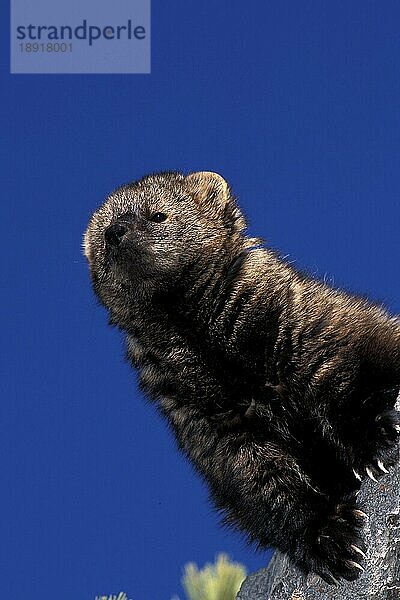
<point x="158" y="217"/>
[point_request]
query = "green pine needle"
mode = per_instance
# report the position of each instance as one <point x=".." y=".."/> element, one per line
<point x="220" y="581"/>
<point x="121" y="596"/>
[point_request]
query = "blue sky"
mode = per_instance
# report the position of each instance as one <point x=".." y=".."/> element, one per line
<point x="297" y="105"/>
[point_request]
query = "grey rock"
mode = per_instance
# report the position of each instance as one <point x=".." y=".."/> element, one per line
<point x="281" y="580"/>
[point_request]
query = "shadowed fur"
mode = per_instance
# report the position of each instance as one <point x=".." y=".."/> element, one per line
<point x="279" y="388"/>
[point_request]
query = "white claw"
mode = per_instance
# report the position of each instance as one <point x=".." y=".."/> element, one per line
<point x="371" y="475"/>
<point x="360" y="513"/>
<point x="397" y="428"/>
<point x="382" y="466"/>
<point x="355" y="564"/>
<point x="358" y="550"/>
<point x="356" y="475"/>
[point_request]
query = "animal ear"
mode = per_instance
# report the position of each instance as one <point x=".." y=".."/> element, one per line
<point x="213" y="195"/>
<point x="208" y="188"/>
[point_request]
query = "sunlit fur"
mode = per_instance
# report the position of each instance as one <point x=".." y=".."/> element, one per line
<point x="278" y="388"/>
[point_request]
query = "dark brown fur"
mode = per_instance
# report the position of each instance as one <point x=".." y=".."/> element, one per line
<point x="279" y="388"/>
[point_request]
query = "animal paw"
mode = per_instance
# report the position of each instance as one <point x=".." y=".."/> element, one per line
<point x="338" y="551"/>
<point x="382" y="446"/>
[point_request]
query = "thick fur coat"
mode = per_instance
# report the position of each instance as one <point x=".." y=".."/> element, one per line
<point x="279" y="388"/>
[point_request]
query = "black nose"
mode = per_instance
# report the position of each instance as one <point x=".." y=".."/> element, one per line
<point x="114" y="234"/>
